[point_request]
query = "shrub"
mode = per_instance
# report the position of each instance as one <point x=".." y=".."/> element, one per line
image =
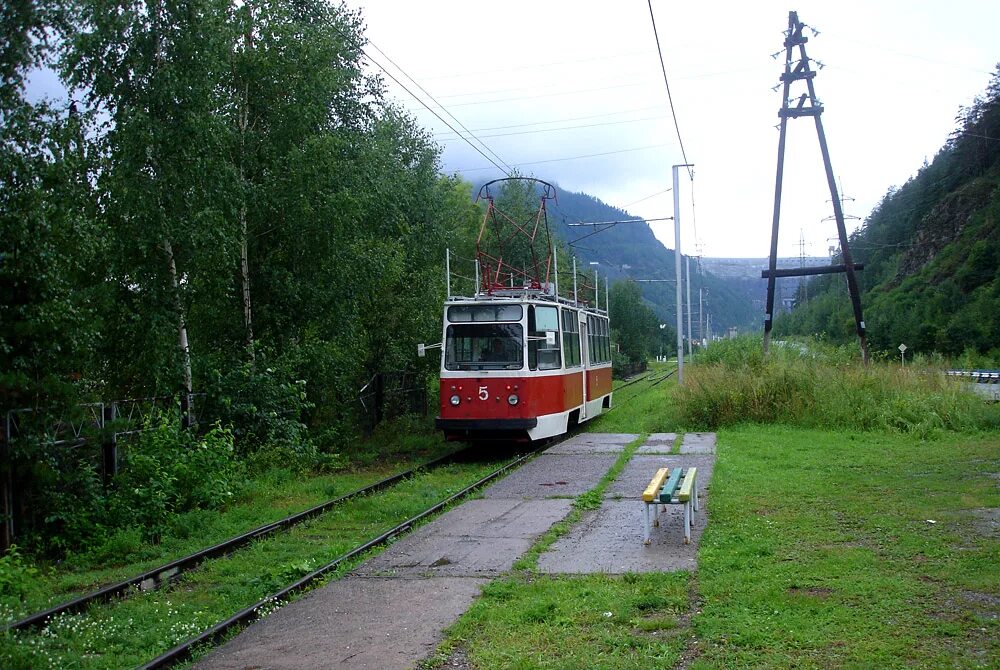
<point x="817" y="386"/>
<point x="168" y="471"/>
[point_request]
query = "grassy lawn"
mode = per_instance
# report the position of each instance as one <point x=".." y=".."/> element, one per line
<point x="824" y="549"/>
<point x="827" y="549"/>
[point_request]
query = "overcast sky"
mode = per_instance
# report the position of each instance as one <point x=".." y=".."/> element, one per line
<point x="547" y="82"/>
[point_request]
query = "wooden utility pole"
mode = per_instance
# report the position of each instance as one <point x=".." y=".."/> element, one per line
<point x="807" y="105"/>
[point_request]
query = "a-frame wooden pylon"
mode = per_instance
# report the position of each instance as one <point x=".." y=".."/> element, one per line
<point x="798" y="69"/>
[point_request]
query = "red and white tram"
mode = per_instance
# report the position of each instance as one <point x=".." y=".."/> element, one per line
<point x="518" y="361"/>
<point x="522" y="368"/>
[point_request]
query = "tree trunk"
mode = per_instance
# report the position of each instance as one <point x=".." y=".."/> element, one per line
<point x="187" y="410"/>
<point x="245" y="276"/>
<point x="244" y="125"/>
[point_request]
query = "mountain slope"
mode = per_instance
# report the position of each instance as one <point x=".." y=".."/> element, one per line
<point x="931" y="251"/>
<point x="632" y="251"/>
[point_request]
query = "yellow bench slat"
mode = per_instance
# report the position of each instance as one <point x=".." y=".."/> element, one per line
<point x="655" y="484"/>
<point x="687" y="484"/>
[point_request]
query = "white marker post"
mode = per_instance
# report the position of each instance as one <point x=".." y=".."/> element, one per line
<point x="902" y="354"/>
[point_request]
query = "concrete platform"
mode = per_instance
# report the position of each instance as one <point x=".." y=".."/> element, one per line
<point x="658" y="443"/>
<point x="609" y="540"/>
<point x="593" y="443"/>
<point x="480" y="538"/>
<point x="354" y="623"/>
<point x="698" y="443"/>
<point x="553" y="476"/>
<point x="390" y="612"/>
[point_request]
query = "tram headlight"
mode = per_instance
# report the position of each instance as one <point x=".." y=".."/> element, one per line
<point x="455" y="400"/>
<point x="513" y="399"/>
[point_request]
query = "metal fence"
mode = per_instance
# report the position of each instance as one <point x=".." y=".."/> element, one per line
<point x="95" y="426"/>
<point x="392" y="394"/>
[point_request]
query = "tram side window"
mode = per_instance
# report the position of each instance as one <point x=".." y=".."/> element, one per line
<point x="571" y="338"/>
<point x="605" y="329"/>
<point x="541" y="354"/>
<point x="600" y="342"/>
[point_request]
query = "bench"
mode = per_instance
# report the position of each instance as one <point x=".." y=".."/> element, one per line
<point x="671" y="486"/>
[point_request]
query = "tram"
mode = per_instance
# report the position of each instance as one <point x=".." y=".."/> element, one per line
<point x="519" y="361"/>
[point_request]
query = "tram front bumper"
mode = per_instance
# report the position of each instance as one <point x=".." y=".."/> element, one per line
<point x="484" y="425"/>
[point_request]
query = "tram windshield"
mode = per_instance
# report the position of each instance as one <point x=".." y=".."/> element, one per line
<point x="484" y="346"/>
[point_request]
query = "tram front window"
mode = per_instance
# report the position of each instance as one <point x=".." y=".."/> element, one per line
<point x="484" y="346"/>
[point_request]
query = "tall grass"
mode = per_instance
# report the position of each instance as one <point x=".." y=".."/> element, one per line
<point x="814" y="385"/>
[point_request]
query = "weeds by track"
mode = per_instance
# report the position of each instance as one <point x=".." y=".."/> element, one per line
<point x="183" y="651"/>
<point x="163" y="574"/>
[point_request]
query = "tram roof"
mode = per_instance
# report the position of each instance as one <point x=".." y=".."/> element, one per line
<point x="519" y="296"/>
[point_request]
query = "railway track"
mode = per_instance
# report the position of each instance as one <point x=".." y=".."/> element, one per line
<point x="167" y="572"/>
<point x="183" y="651"/>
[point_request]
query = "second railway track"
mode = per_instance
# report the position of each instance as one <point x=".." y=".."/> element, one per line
<point x="344" y="529"/>
<point x="159" y="575"/>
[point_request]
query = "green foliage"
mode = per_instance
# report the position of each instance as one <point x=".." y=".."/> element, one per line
<point x="168" y="472"/>
<point x="634" y="326"/>
<point x="806" y="386"/>
<point x="264" y="407"/>
<point x="16" y="574"/>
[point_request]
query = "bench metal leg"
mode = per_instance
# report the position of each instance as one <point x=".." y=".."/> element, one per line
<point x="687" y="522"/>
<point x="695" y="494"/>
<point x="645" y="537"/>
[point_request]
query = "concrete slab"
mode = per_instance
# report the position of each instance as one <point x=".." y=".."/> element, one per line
<point x="552" y="476"/>
<point x="480" y="538"/>
<point x="609" y="540"/>
<point x="500" y="518"/>
<point x="352" y="624"/>
<point x="658" y="443"/>
<point x="435" y="556"/>
<point x="634" y="479"/>
<point x="593" y="443"/>
<point x="698" y="443"/>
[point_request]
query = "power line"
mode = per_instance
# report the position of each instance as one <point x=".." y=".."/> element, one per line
<point x="509" y="169"/>
<point x="351" y="38"/>
<point x="605" y="223"/>
<point x="670" y="98"/>
<point x="551" y="95"/>
<point x="535" y="66"/>
<point x="573" y="158"/>
<point x="550" y="130"/>
<point x="636" y="202"/>
<point x="574" y="118"/>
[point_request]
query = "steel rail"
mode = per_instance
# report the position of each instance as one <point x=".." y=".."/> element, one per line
<point x="182" y="652"/>
<point x="157" y="576"/>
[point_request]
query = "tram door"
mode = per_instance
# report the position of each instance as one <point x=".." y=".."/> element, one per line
<point x="585" y="362"/>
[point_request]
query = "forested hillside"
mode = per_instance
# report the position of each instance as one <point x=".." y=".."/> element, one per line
<point x="632" y="251"/>
<point x="931" y="250"/>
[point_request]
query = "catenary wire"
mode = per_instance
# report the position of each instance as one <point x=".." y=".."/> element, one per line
<point x="550" y="130"/>
<point x="509" y="169"/>
<point x="573" y="158"/>
<point x="670" y="98"/>
<point x="575" y="118"/>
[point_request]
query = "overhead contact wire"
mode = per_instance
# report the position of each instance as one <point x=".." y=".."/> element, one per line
<point x="666" y="81"/>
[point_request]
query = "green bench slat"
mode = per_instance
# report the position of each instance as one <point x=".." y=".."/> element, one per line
<point x="667" y="492"/>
